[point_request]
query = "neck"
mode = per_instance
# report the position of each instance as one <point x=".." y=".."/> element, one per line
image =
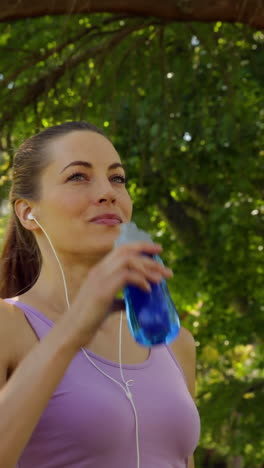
<point x="49" y="288"/>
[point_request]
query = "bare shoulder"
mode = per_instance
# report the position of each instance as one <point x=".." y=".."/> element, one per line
<point x="6" y="320"/>
<point x="11" y="321"/>
<point x="184" y="343"/>
<point x="184" y="349"/>
<point x="5" y="341"/>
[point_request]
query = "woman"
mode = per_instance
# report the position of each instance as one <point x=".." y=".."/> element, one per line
<point x="64" y="400"/>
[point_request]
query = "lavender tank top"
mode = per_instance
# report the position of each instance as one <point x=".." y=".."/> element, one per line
<point x="89" y="422"/>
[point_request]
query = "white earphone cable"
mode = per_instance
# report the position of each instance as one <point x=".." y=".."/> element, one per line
<point x="56" y="256"/>
<point x="128" y="382"/>
<point x="129" y="394"/>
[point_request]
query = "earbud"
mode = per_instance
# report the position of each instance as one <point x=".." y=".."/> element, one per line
<point x="30" y="216"/>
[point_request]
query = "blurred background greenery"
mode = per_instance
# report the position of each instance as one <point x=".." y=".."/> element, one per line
<point x="183" y="104"/>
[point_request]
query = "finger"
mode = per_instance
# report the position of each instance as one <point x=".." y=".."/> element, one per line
<point x="140" y="247"/>
<point x="153" y="275"/>
<point x="151" y="269"/>
<point x="136" y="279"/>
<point x="153" y="265"/>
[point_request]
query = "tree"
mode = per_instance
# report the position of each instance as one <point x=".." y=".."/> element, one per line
<point x="249" y="12"/>
<point x="183" y="103"/>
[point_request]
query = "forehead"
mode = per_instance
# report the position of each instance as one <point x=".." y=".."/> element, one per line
<point x="82" y="145"/>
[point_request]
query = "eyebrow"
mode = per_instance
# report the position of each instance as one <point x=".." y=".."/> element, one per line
<point x="90" y="166"/>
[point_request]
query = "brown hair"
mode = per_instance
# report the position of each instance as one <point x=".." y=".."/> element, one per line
<point x="21" y="261"/>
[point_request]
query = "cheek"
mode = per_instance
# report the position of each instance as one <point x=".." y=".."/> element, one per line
<point x="127" y="206"/>
<point x="68" y="203"/>
<point x="74" y="205"/>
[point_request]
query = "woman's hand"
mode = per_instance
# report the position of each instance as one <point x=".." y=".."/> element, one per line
<point x="123" y="265"/>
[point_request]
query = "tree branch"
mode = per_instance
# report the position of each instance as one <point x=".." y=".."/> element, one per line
<point x="176" y="214"/>
<point x="245" y="11"/>
<point x="84" y="32"/>
<point x="46" y="82"/>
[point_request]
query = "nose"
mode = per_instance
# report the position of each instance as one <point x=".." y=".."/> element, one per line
<point x="105" y="193"/>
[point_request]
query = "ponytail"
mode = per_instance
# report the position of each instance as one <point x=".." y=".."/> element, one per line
<point x="20" y="261"/>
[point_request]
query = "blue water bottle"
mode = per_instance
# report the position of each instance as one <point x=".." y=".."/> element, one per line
<point x="152" y="316"/>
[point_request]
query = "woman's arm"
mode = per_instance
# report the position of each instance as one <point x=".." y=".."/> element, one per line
<point x="185" y="352"/>
<point x="25" y="395"/>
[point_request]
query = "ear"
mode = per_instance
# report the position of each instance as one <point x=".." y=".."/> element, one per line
<point x="22" y="210"/>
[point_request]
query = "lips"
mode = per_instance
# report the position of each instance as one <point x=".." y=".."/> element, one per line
<point x="107" y="221"/>
<point x="107" y="218"/>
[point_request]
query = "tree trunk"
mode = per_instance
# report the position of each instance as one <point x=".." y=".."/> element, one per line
<point x="236" y="462"/>
<point x="245" y="11"/>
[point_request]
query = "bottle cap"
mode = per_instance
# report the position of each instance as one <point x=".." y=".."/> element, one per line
<point x="129" y="232"/>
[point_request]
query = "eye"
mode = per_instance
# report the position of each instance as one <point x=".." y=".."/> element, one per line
<point x="122" y="179"/>
<point x="77" y="176"/>
<point x="81" y="176"/>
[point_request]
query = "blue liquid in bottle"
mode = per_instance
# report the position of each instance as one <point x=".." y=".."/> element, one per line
<point x="152" y="316"/>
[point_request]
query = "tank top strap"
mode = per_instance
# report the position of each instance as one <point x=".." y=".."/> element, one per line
<point x="38" y="322"/>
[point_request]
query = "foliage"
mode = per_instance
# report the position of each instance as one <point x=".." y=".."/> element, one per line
<point x="183" y="103"/>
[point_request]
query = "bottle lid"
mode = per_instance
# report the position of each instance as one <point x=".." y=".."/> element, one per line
<point x="129" y="232"/>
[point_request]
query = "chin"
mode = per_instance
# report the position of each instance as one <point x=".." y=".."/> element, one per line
<point x="102" y="248"/>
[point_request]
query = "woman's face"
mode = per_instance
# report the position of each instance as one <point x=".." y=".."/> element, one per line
<point x="84" y="180"/>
